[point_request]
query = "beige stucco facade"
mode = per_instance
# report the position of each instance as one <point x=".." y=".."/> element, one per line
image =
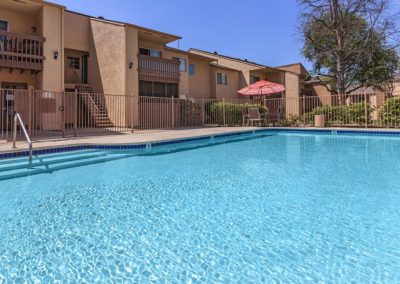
<point x="109" y="57"/>
<point x="71" y="34"/>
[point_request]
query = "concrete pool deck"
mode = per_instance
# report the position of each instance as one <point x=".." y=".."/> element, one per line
<point x="148" y="136"/>
<point x="140" y="136"/>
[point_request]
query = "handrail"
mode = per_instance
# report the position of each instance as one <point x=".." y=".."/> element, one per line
<point x="23" y="36"/>
<point x="17" y="118"/>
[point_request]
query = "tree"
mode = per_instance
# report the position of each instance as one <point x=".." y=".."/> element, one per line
<point x="353" y="43"/>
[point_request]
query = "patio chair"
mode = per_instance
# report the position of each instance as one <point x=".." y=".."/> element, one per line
<point x="254" y="116"/>
<point x="273" y="117"/>
<point x="245" y="116"/>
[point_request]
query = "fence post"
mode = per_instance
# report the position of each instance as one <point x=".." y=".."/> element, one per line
<point x="203" y="115"/>
<point x="62" y="109"/>
<point x="133" y="113"/>
<point x="365" y="108"/>
<point x="172" y="112"/>
<point x="223" y="111"/>
<point x="30" y="111"/>
<point x="75" y="112"/>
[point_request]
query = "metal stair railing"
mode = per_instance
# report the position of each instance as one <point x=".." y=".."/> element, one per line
<point x="17" y="118"/>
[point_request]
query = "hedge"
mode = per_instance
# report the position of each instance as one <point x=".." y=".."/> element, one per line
<point x="341" y="115"/>
<point x="389" y="113"/>
<point x="233" y="112"/>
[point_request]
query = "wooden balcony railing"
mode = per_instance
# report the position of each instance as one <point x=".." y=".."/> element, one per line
<point x="158" y="69"/>
<point x="21" y="51"/>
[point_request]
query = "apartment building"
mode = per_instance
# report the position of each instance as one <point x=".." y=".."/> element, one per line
<point x="47" y="47"/>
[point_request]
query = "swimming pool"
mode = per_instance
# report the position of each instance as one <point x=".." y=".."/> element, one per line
<point x="291" y="207"/>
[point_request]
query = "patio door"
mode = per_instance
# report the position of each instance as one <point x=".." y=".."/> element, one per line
<point x="84" y="69"/>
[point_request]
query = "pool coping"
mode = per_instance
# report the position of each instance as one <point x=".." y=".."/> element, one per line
<point x="15" y="153"/>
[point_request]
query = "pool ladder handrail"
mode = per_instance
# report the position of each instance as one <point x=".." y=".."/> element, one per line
<point x="17" y="118"/>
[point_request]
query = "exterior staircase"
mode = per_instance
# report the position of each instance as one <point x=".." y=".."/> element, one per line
<point x="95" y="106"/>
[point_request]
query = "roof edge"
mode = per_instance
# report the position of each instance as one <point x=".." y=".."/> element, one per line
<point x="174" y="37"/>
<point x="245" y="61"/>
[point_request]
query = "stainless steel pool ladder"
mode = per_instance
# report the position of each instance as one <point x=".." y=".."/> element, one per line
<point x="17" y="118"/>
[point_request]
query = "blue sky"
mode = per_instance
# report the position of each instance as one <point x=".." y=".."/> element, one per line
<point x="264" y="31"/>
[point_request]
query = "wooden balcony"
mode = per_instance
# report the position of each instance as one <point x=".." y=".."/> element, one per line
<point x="21" y="51"/>
<point x="158" y="69"/>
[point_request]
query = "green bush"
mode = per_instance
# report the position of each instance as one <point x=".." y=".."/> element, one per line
<point x="233" y="112"/>
<point x="190" y="113"/>
<point x="389" y="113"/>
<point x="291" y="120"/>
<point x="353" y="114"/>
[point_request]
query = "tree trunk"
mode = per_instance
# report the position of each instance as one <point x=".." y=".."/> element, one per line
<point x="339" y="76"/>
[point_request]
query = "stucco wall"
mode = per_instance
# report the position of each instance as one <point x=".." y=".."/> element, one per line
<point x="53" y="69"/>
<point x="292" y="84"/>
<point x="200" y="83"/>
<point x="17" y="77"/>
<point x="77" y="31"/>
<point x="230" y="90"/>
<point x="132" y="79"/>
<point x="19" y="23"/>
<point x="107" y="59"/>
<point x="107" y="64"/>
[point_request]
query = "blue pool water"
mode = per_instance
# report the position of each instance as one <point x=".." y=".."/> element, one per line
<point x="289" y="208"/>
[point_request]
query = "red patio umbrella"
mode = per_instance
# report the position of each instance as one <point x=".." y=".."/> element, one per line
<point x="262" y="88"/>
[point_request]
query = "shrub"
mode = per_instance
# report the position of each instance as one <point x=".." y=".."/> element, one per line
<point x="233" y="112"/>
<point x="389" y="113"/>
<point x="190" y="113"/>
<point x="341" y="115"/>
<point x="291" y="120"/>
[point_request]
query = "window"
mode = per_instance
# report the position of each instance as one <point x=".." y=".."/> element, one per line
<point x="150" y="52"/>
<point x="172" y="90"/>
<point x="254" y="79"/>
<point x="158" y="89"/>
<point x="192" y="69"/>
<point x="222" y="79"/>
<point x="145" y="89"/>
<point x="182" y="65"/>
<point x="3" y="27"/>
<point x="73" y="63"/>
